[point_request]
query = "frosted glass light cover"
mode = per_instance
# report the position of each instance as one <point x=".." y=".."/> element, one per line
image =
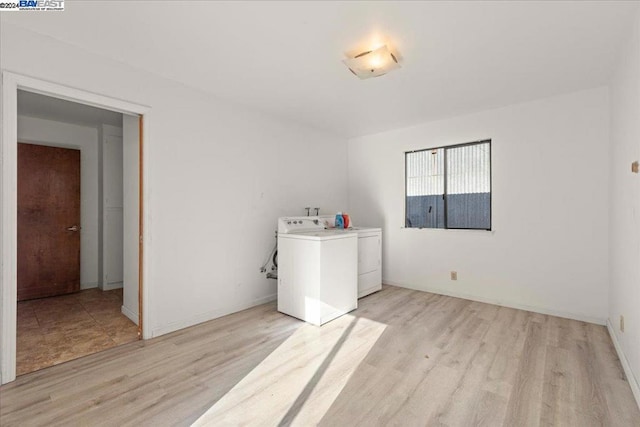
<point x="373" y="63"/>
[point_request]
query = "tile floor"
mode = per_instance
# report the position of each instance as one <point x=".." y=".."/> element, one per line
<point x="58" y="329"/>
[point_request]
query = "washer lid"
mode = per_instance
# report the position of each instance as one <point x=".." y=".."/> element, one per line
<point x="319" y="235"/>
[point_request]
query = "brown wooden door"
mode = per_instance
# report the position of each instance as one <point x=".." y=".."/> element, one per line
<point x="48" y="221"/>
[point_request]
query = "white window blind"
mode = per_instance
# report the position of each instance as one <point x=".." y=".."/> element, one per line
<point x="449" y="187"/>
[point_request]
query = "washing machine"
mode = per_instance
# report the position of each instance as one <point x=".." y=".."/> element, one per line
<point x="317" y="270"/>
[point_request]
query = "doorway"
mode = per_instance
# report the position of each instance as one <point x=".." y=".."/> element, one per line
<point x="11" y="84"/>
<point x="71" y="212"/>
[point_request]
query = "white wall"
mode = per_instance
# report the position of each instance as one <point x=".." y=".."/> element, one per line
<point x="85" y="139"/>
<point x="549" y="248"/>
<point x="219" y="176"/>
<point x="624" y="292"/>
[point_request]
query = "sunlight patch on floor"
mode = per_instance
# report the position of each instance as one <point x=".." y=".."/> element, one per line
<point x="300" y="380"/>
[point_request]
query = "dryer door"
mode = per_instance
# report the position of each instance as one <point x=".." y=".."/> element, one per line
<point x="368" y="254"/>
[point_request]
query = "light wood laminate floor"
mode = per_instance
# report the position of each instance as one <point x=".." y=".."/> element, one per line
<point x="57" y="329"/>
<point x="403" y="358"/>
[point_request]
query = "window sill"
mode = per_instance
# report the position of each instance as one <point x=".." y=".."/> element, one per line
<point x="452" y="230"/>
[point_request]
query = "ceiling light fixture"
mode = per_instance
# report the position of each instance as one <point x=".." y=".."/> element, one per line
<point x="372" y="63"/>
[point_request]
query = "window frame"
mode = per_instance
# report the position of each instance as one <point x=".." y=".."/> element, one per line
<point x="445" y="149"/>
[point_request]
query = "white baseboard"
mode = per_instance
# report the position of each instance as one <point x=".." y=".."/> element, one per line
<point x="112" y="286"/>
<point x="205" y="317"/>
<point x="631" y="378"/>
<point x="130" y="314"/>
<point x="89" y="285"/>
<point x="541" y="310"/>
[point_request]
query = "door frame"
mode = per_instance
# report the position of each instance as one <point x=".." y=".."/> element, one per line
<point x="11" y="83"/>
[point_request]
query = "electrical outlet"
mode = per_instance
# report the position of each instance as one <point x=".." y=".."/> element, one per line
<point x="635" y="167"/>
<point x="621" y="323"/>
<point x="454" y="275"/>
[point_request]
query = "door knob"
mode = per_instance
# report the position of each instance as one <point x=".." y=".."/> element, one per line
<point x="74" y="228"/>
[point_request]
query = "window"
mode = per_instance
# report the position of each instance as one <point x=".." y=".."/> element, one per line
<point x="449" y="187"/>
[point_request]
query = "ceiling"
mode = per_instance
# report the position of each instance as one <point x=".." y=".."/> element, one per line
<point x="285" y="57"/>
<point x="45" y="107"/>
